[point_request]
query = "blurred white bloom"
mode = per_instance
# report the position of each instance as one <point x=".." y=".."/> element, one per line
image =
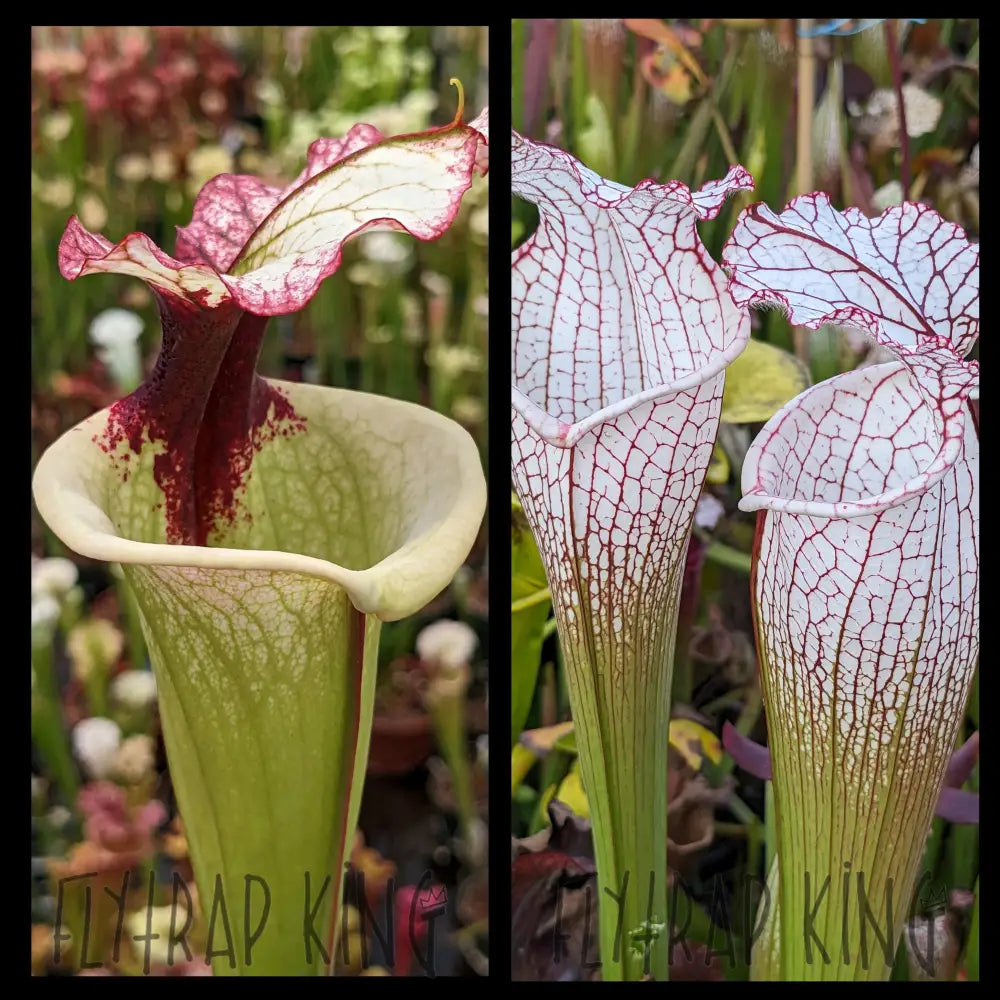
<point x="483" y="750"/>
<point x="95" y="742"/>
<point x="477" y="839"/>
<point x="708" y="512"/>
<point x="56" y="125"/>
<point x="270" y="92"/>
<point x="436" y="284"/>
<point x="58" y="193"/>
<point x="367" y="273"/>
<point x="452" y="360"/>
<point x="213" y="101"/>
<point x="390" y="34"/>
<point x="420" y="102"/>
<point x="94" y="647"/>
<point x="115" y="334"/>
<point x="58" y="817"/>
<point x="479" y="222"/>
<point x="163" y="165"/>
<point x="449" y="644"/>
<point x="879" y="121"/>
<point x="468" y="410"/>
<point x="133" y="168"/>
<point x="163" y="922"/>
<point x="44" y="617"/>
<point x="391" y="65"/>
<point x="207" y="162"/>
<point x="134" y="689"/>
<point x="887" y="195"/>
<point x="386" y="248"/>
<point x="969" y="177"/>
<point x="421" y="62"/>
<point x="135" y="759"/>
<point x="54" y="577"/>
<point x="39" y="786"/>
<point x="91" y="211"/>
<point x="410" y="115"/>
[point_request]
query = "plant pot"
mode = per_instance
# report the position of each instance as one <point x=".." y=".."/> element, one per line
<point x="400" y="742"/>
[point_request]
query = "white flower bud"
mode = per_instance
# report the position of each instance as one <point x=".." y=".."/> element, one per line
<point x="44" y="617"/>
<point x="708" y="512"/>
<point x="95" y="742"/>
<point x="54" y="577"/>
<point x="115" y="334"/>
<point x="135" y="689"/>
<point x="447" y="643"/>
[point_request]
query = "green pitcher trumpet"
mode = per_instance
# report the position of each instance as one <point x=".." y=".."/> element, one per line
<point x="268" y="528"/>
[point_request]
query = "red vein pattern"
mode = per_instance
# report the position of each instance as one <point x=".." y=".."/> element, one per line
<point x="866" y="575"/>
<point x="281" y="243"/>
<point x="909" y="271"/>
<point x="621" y="327"/>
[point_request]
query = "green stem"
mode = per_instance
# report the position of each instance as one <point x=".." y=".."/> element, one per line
<point x="96" y="686"/>
<point x="724" y="137"/>
<point x="538" y="597"/>
<point x="517" y="73"/>
<point x="620" y="697"/>
<point x="972" y="947"/>
<point x="578" y="81"/>
<point x="448" y="714"/>
<point x="47" y="727"/>
<point x="726" y="555"/>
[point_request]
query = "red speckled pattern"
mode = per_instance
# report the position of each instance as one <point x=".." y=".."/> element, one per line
<point x="204" y="400"/>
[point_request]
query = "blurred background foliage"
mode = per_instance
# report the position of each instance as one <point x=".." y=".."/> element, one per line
<point x="807" y="105"/>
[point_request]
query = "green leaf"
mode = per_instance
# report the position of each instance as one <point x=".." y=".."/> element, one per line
<point x="571" y="792"/>
<point x="527" y="577"/>
<point x="759" y="383"/>
<point x="596" y="142"/>
<point x="718" y="468"/>
<point x="971" y="960"/>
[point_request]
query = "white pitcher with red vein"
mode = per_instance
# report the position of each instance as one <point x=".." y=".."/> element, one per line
<point x="866" y="569"/>
<point x="621" y="330"/>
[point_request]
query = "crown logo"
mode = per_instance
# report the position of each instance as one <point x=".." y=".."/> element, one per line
<point x="432" y="900"/>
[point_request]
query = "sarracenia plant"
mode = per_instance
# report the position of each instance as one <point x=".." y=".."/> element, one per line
<point x="621" y="327"/>
<point x="866" y="569"/>
<point x="268" y="528"/>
